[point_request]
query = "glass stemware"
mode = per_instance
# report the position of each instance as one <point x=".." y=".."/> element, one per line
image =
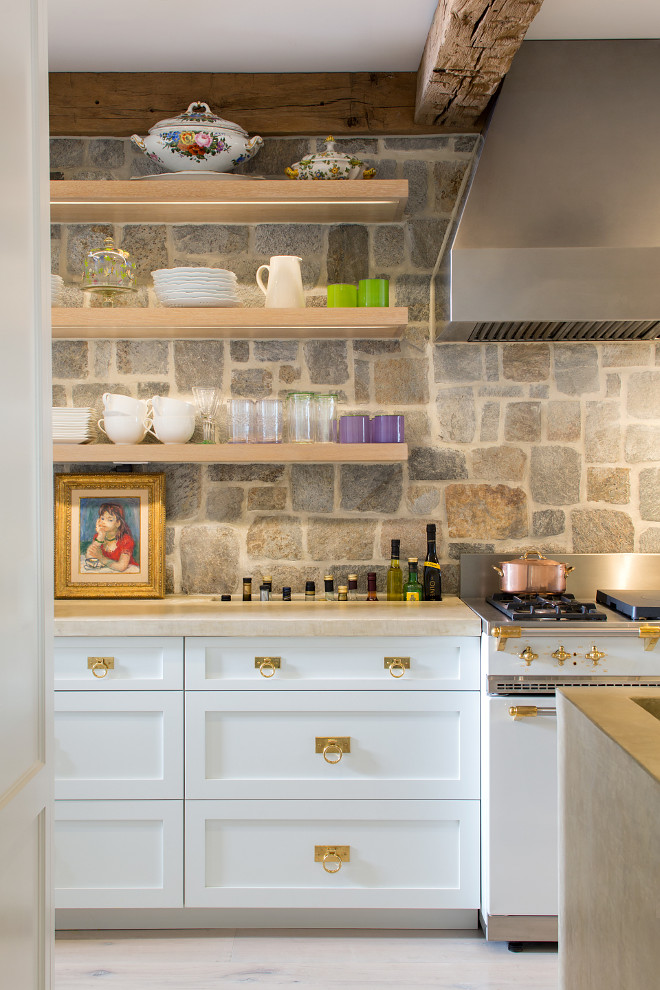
<point x="207" y="399"/>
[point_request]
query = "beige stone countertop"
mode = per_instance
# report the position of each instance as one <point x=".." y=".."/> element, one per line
<point x="629" y="716"/>
<point x="181" y="615"/>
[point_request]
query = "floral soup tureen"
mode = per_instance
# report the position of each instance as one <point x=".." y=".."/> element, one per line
<point x="329" y="164"/>
<point x="198" y="140"/>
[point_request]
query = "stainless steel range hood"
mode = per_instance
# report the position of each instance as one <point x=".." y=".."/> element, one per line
<point x="560" y="235"/>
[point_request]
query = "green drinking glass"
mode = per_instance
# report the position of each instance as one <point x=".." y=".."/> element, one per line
<point x="373" y="292"/>
<point x="342" y="294"/>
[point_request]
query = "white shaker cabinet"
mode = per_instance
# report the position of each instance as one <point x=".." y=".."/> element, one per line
<point x="314" y="773"/>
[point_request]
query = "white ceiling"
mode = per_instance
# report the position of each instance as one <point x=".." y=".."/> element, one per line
<point x="291" y="35"/>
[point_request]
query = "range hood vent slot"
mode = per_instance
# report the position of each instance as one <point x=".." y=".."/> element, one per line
<point x="639" y="330"/>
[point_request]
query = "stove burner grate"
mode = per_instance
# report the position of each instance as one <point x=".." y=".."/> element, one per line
<point x="550" y="607"/>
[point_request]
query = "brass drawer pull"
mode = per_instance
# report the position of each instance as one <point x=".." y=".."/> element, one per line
<point x="100" y="664"/>
<point x="394" y="664"/>
<point x="332" y="854"/>
<point x="335" y="745"/>
<point x="530" y="711"/>
<point x="265" y="664"/>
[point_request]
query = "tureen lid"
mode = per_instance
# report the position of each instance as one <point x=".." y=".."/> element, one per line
<point x="198" y="115"/>
<point x="331" y="155"/>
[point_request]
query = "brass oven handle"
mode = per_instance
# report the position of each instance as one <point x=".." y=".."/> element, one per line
<point x="103" y="664"/>
<point x="530" y="711"/>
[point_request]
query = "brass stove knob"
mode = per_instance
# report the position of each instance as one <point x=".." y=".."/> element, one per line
<point x="528" y="655"/>
<point x="560" y="655"/>
<point x="594" y="655"/>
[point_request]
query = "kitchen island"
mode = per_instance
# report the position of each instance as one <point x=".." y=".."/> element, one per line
<point x="609" y="814"/>
<point x="258" y="764"/>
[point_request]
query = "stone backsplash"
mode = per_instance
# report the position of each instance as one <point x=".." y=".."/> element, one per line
<point x="512" y="445"/>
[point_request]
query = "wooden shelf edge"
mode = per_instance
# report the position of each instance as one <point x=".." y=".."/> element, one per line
<point x="208" y="323"/>
<point x="277" y="200"/>
<point x="198" y="453"/>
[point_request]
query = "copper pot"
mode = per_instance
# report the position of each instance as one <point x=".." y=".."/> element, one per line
<point x="532" y="574"/>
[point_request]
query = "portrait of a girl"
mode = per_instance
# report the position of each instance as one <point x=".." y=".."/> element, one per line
<point x="113" y="545"/>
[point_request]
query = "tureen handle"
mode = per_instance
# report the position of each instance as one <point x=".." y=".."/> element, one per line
<point x="197" y="106"/>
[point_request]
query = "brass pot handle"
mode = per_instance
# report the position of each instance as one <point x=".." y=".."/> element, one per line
<point x="332" y="857"/>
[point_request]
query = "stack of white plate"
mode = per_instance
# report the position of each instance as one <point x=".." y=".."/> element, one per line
<point x="56" y="290"/>
<point x="71" y="425"/>
<point x="195" y="287"/>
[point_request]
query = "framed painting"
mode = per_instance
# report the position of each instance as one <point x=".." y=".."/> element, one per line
<point x="109" y="536"/>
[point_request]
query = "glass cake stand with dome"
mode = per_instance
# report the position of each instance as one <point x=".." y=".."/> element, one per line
<point x="108" y="272"/>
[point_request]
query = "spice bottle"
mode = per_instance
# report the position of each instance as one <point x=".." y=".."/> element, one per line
<point x="286" y="594"/>
<point x="329" y="582"/>
<point x="247" y="589"/>
<point x="371" y="587"/>
<point x="342" y="593"/>
<point x="352" y="587"/>
<point x="310" y="591"/>
<point x="264" y="593"/>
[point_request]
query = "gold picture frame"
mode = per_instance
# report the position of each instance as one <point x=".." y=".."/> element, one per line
<point x="109" y="536"/>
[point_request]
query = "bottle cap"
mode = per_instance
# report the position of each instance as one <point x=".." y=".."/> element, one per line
<point x="310" y="586"/>
<point x="266" y="578"/>
<point x="430" y="530"/>
<point x="352" y="577"/>
<point x="396" y="546"/>
<point x="342" y="587"/>
<point x="247" y="580"/>
<point x="412" y="560"/>
<point x="225" y="598"/>
<point x="263" y="587"/>
<point x="328" y="577"/>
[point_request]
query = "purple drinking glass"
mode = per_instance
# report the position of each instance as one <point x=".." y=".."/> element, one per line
<point x="354" y="429"/>
<point x="387" y="429"/>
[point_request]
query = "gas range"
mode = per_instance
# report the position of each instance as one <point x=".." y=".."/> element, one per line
<point x="534" y="644"/>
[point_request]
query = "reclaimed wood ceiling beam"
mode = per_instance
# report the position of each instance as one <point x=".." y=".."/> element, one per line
<point x="469" y="50"/>
<point x="271" y="104"/>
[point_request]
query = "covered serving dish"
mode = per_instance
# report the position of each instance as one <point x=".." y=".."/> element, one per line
<point x="108" y="271"/>
<point x="198" y="140"/>
<point x="329" y="164"/>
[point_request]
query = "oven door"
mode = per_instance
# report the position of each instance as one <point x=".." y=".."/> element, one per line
<point x="519" y="816"/>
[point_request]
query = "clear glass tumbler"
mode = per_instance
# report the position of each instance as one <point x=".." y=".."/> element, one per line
<point x="326" y="416"/>
<point x="300" y="417"/>
<point x="268" y="416"/>
<point x="207" y="399"/>
<point x="240" y="421"/>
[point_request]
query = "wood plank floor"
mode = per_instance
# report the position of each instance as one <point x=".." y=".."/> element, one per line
<point x="298" y="960"/>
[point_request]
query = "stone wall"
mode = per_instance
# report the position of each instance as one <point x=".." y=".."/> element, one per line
<point x="511" y="445"/>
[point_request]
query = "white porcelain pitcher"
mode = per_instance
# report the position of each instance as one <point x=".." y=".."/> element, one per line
<point x="285" y="289"/>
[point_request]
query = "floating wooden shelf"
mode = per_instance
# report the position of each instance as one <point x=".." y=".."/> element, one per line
<point x="200" y="453"/>
<point x="207" y="324"/>
<point x="209" y="201"/>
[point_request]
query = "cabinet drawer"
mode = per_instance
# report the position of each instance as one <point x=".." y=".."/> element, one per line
<point x="118" y="854"/>
<point x="435" y="662"/>
<point x="118" y="745"/>
<point x="403" y="854"/>
<point x="138" y="663"/>
<point x="242" y="744"/>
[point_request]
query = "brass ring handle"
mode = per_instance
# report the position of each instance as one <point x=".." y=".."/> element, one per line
<point x="332" y="746"/>
<point x="397" y="665"/>
<point x="332" y="857"/>
<point x="267" y="664"/>
<point x="100" y="665"/>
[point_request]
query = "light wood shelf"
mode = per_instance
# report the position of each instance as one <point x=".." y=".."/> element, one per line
<point x="200" y="453"/>
<point x="203" y="323"/>
<point x="246" y="201"/>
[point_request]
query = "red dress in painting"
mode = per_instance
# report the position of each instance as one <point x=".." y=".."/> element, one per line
<point x="125" y="544"/>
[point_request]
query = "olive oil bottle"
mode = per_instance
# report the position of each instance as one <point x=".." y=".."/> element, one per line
<point x="412" y="591"/>
<point x="431" y="578"/>
<point x="395" y="575"/>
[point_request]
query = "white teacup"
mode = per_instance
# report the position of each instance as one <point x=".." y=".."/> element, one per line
<point x="164" y="406"/>
<point x="114" y="402"/>
<point x="173" y="429"/>
<point x="122" y="428"/>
